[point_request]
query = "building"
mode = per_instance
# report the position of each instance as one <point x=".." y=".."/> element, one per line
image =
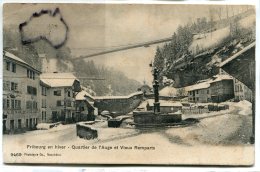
<point x="242" y="92"/>
<point x="58" y="96"/>
<point x="84" y="103"/>
<point x="21" y="95"/>
<point x="199" y="93"/>
<point x="219" y="88"/>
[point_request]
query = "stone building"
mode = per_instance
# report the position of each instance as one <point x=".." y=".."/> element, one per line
<point x="58" y="96"/>
<point x="199" y="93"/>
<point x="85" y="110"/>
<point x="21" y="95"/>
<point x="242" y="92"/>
<point x="219" y="88"/>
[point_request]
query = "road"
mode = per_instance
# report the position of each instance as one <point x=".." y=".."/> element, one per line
<point x="223" y="127"/>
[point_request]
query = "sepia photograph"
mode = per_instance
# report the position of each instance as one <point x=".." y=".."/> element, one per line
<point x="133" y="84"/>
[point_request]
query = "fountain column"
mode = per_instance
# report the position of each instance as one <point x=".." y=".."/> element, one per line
<point x="156" y="91"/>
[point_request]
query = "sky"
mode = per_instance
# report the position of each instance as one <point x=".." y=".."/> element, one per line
<point x="94" y="27"/>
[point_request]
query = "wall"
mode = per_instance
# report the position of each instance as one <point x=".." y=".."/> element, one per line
<point x="28" y="117"/>
<point x="222" y="90"/>
<point x="199" y="96"/>
<point x="120" y="106"/>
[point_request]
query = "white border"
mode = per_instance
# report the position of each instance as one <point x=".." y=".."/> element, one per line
<point x="40" y="168"/>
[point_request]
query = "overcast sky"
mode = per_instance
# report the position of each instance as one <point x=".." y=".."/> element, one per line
<point x="95" y="26"/>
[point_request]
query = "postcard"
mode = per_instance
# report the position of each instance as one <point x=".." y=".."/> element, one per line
<point x="143" y="84"/>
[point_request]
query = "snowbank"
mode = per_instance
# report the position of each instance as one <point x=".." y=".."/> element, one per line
<point x="46" y="126"/>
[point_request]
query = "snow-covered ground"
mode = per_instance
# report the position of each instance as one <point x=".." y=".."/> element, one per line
<point x="223" y="131"/>
<point x="226" y="122"/>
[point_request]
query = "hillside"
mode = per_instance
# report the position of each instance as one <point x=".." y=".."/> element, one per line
<point x="196" y="48"/>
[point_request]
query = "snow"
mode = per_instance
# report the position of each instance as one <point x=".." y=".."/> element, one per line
<point x="118" y="97"/>
<point x="248" y="22"/>
<point x="209" y="40"/>
<point x="12" y="56"/>
<point x="220" y="78"/>
<point x="58" y="79"/>
<point x="245" y="106"/>
<point x="216" y="136"/>
<point x="82" y="95"/>
<point x="168" y="91"/>
<point x="206" y="83"/>
<point x="199" y="86"/>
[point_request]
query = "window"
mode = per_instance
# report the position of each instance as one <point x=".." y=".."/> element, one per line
<point x="42" y="115"/>
<point x="57" y="92"/>
<point x="207" y="91"/>
<point x="7" y="103"/>
<point x="6" y="85"/>
<point x="13" y="104"/>
<point x="30" y="74"/>
<point x="44" y="91"/>
<point x="14" y="67"/>
<point x="68" y="93"/>
<point x="197" y="91"/>
<point x="43" y="103"/>
<point x="31" y="90"/>
<point x="8" y="66"/>
<point x="14" y="86"/>
<point x="58" y="103"/>
<point x="28" y="105"/>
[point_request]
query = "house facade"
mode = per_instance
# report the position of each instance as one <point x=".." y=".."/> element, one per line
<point x="59" y="90"/>
<point x="222" y="88"/>
<point x="217" y="89"/>
<point x="199" y="93"/>
<point x="85" y="110"/>
<point x="21" y="95"/>
<point x="242" y="92"/>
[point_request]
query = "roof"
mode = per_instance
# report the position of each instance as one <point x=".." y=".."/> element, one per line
<point x="220" y="78"/>
<point x="206" y="84"/>
<point x="82" y="95"/>
<point x="164" y="103"/>
<point x="199" y="86"/>
<point x="252" y="45"/>
<point x="58" y="79"/>
<point x="119" y="97"/>
<point x="17" y="59"/>
<point x="168" y="91"/>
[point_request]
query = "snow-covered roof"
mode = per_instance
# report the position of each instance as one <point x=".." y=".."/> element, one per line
<point x="119" y="97"/>
<point x="14" y="57"/>
<point x="168" y="91"/>
<point x="58" y="79"/>
<point x="164" y="103"/>
<point x="202" y="85"/>
<point x="82" y="95"/>
<point x="206" y="84"/>
<point x="220" y="78"/>
<point x="17" y="59"/>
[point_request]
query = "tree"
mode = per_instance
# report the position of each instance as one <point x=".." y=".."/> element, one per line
<point x="181" y="92"/>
